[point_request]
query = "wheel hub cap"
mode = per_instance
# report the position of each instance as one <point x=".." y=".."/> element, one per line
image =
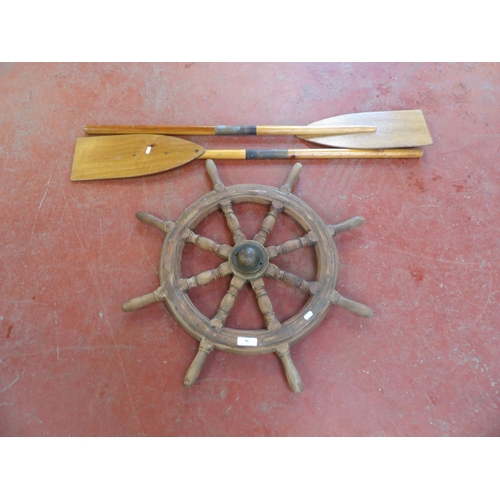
<point x="249" y="259"/>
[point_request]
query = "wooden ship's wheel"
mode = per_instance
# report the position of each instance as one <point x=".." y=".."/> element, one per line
<point x="248" y="261"/>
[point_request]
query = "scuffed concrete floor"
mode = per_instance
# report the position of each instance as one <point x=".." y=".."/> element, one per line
<point x="426" y="259"/>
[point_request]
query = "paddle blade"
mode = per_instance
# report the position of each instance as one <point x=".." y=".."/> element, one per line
<point x="120" y="156"/>
<point x="395" y="129"/>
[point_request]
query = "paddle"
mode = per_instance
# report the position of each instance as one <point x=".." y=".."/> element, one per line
<point x="375" y="130"/>
<point x="120" y="156"/>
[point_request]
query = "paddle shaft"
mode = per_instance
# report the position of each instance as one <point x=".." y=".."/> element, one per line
<point x="226" y="130"/>
<point x="307" y="154"/>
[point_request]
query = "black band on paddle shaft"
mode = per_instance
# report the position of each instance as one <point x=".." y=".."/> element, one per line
<point x="238" y="130"/>
<point x="266" y="154"/>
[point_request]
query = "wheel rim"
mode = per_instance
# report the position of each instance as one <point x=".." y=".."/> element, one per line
<point x="197" y="324"/>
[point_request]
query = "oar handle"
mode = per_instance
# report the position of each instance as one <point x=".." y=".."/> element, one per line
<point x="226" y="130"/>
<point x="307" y="154"/>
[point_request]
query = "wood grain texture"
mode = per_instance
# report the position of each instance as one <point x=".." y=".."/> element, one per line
<point x="395" y="129"/>
<point x="265" y="304"/>
<point x="194" y="370"/>
<point x="346" y="225"/>
<point x="289" y="278"/>
<point x="121" y="156"/>
<point x="307" y="240"/>
<point x="291" y="372"/>
<point x="311" y="130"/>
<point x="144" y="300"/>
<point x="291" y="179"/>
<point x="232" y="221"/>
<point x="311" y="154"/>
<point x="205" y="277"/>
<point x="351" y="305"/>
<point x="268" y="223"/>
<point x="217" y="322"/>
<point x="163" y="225"/>
<point x="214" y="175"/>
<point x="221" y="249"/>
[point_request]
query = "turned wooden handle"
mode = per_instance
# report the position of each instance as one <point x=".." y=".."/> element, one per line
<point x="346" y="225"/>
<point x="204" y="278"/>
<point x="291" y="179"/>
<point x="220" y="249"/>
<point x="227" y="303"/>
<point x="351" y="305"/>
<point x="310" y="287"/>
<point x="144" y="300"/>
<point x="265" y="304"/>
<point x="292" y="375"/>
<point x="163" y="225"/>
<point x="194" y="370"/>
<point x="214" y="175"/>
<point x="268" y="223"/>
<point x="307" y="240"/>
<point x="232" y="221"/>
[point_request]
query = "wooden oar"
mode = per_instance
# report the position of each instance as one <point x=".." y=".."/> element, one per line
<point x="120" y="156"/>
<point x="376" y="130"/>
<point x="225" y="130"/>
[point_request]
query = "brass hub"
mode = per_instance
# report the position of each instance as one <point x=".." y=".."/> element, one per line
<point x="248" y="259"/>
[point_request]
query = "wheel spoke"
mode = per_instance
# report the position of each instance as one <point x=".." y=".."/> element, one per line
<point x="203" y="278"/>
<point x="227" y="303"/>
<point x="291" y="179"/>
<point x="232" y="221"/>
<point x="351" y="305"/>
<point x="265" y="305"/>
<point x="292" y="375"/>
<point x="221" y="250"/>
<point x="204" y="349"/>
<point x="144" y="300"/>
<point x="214" y="175"/>
<point x="346" y="225"/>
<point x="310" y="287"/>
<point x="307" y="240"/>
<point x="163" y="225"/>
<point x="268" y="223"/>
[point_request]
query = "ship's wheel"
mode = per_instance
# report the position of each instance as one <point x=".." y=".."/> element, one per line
<point x="248" y="261"/>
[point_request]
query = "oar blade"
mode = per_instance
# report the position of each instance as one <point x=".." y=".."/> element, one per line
<point x="121" y="156"/>
<point x="395" y="129"/>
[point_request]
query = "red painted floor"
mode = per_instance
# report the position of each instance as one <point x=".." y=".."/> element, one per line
<point x="426" y="259"/>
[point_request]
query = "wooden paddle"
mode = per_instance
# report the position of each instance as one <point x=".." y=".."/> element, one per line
<point x="374" y="130"/>
<point x="120" y="156"/>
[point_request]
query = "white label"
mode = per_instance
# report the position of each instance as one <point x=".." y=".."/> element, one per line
<point x="308" y="315"/>
<point x="247" y="341"/>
